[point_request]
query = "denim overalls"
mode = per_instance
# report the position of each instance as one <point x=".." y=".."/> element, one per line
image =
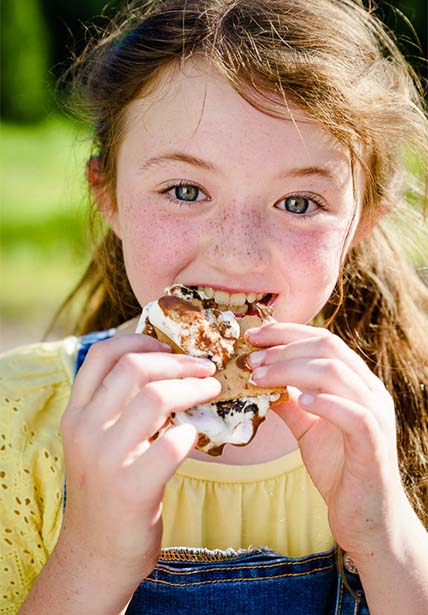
<point x="256" y="581"/>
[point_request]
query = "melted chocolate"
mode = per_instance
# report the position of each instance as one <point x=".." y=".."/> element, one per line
<point x="242" y="363"/>
<point x="208" y="337"/>
<point x="234" y="405"/>
<point x="149" y="329"/>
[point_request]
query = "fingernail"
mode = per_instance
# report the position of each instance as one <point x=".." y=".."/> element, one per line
<point x="257" y="357"/>
<point x="206" y="363"/>
<point x="259" y="373"/>
<point x="250" y="332"/>
<point x="306" y="399"/>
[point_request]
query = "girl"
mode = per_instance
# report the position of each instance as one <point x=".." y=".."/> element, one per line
<point x="248" y="147"/>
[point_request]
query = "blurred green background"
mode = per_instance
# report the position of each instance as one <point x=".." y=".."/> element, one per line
<point x="43" y="153"/>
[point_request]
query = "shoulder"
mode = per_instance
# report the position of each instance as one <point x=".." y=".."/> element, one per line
<point x="35" y="384"/>
<point x="46" y="360"/>
<point x="34" y="376"/>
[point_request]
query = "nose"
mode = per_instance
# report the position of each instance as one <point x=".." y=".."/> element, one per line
<point x="238" y="242"/>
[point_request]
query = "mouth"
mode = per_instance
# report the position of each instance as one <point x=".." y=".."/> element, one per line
<point x="239" y="303"/>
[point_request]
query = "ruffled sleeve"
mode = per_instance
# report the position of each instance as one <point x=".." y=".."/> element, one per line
<point x="35" y="384"/>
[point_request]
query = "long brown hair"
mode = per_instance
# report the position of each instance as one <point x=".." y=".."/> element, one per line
<point x="336" y="61"/>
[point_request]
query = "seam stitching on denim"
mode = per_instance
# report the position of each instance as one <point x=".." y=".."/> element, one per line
<point x="193" y="557"/>
<point x="240" y="580"/>
<point x="245" y="567"/>
<point x="341" y="596"/>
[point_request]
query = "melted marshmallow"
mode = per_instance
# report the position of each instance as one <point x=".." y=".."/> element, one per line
<point x="233" y="422"/>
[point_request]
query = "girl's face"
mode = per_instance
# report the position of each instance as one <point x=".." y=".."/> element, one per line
<point x="212" y="192"/>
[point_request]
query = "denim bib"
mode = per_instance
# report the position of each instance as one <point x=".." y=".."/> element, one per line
<point x="255" y="581"/>
<point x="251" y="582"/>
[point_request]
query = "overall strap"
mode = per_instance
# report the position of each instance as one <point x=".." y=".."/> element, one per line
<point x="85" y="342"/>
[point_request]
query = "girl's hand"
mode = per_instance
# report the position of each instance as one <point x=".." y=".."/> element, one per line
<point x="343" y="419"/>
<point x="116" y="471"/>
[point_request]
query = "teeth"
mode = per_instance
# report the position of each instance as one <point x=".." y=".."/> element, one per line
<point x="237" y="309"/>
<point x="208" y="291"/>
<point x="237" y="299"/>
<point x="221" y="297"/>
<point x="225" y="299"/>
<point x="240" y="309"/>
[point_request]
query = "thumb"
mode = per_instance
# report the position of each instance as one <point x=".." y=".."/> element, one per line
<point x="293" y="415"/>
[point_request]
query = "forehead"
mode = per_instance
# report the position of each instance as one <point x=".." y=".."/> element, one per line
<point x="196" y="109"/>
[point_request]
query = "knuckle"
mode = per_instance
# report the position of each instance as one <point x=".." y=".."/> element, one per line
<point x="98" y="350"/>
<point x="129" y="362"/>
<point x="328" y="344"/>
<point x="154" y="395"/>
<point x="367" y="425"/>
<point x="333" y="369"/>
<point x="134" y="365"/>
<point x="322" y="332"/>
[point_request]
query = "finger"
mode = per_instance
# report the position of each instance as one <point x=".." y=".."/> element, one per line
<point x="362" y="431"/>
<point x="163" y="459"/>
<point x="299" y="421"/>
<point x="148" y="411"/>
<point x="321" y="375"/>
<point x="288" y="333"/>
<point x="283" y="333"/>
<point x="323" y="347"/>
<point x="101" y="358"/>
<point x="134" y="371"/>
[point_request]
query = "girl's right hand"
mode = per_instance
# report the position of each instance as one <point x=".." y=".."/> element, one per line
<point x="116" y="472"/>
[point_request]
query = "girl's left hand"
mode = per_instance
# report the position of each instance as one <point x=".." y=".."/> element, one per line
<point x="343" y="419"/>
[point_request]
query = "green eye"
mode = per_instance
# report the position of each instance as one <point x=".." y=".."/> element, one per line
<point x="296" y="205"/>
<point x="186" y="193"/>
<point x="299" y="205"/>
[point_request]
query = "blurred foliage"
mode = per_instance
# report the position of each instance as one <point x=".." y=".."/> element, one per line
<point x="68" y="23"/>
<point x="39" y="37"/>
<point x="25" y="59"/>
<point x="408" y="19"/>
<point x="44" y="226"/>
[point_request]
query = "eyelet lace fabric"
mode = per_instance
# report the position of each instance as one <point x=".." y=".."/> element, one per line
<point x="34" y="389"/>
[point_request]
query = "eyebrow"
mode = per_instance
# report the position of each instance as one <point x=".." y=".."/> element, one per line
<point x="208" y="166"/>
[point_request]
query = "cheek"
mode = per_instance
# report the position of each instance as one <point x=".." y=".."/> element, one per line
<point x="155" y="247"/>
<point x="314" y="252"/>
<point x="310" y="264"/>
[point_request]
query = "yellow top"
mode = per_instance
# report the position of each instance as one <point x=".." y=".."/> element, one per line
<point x="206" y="504"/>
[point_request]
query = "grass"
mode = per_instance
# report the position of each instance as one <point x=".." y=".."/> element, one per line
<point x="44" y="196"/>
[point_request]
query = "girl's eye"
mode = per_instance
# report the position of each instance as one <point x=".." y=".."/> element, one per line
<point x="299" y="205"/>
<point x="184" y="193"/>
